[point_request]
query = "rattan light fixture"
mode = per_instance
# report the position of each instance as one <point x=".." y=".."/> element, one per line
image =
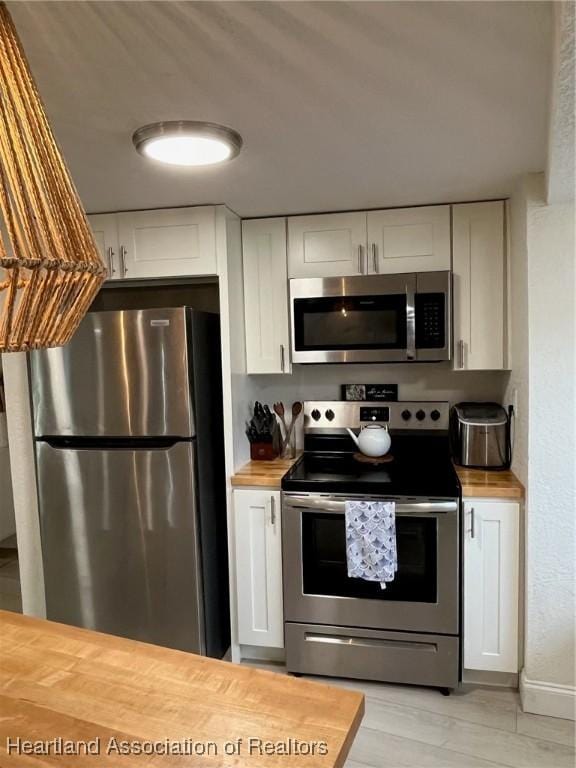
<point x="50" y="269"/>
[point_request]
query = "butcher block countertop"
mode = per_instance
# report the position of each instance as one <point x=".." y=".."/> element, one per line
<point x="476" y="483"/>
<point x="63" y="688"/>
<point x="263" y="474"/>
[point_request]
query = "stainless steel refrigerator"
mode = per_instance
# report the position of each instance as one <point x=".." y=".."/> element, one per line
<point x="131" y="480"/>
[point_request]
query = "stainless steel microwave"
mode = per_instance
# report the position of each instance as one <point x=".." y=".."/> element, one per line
<point x="372" y="318"/>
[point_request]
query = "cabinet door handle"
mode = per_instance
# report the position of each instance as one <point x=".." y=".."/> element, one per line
<point x="123" y="253"/>
<point x="461" y="353"/>
<point x="282" y="358"/>
<point x="472" y="524"/>
<point x="272" y="510"/>
<point x="110" y="256"/>
<point x="360" y="260"/>
<point x="374" y="258"/>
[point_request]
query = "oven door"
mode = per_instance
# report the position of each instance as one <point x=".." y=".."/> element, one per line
<point x="353" y="319"/>
<point x="424" y="596"/>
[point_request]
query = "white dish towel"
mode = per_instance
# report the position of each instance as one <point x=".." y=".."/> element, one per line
<point x="371" y="540"/>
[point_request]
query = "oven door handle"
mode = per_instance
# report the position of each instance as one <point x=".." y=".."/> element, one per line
<point x="338" y="506"/>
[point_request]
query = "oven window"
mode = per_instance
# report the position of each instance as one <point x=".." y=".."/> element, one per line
<point x="324" y="560"/>
<point x="352" y="322"/>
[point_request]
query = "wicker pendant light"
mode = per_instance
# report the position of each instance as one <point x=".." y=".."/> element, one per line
<point x="50" y="269"/>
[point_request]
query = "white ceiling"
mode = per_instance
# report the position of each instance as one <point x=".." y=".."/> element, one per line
<point x="341" y="105"/>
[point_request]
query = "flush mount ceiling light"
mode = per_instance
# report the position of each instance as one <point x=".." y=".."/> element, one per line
<point x="187" y="142"/>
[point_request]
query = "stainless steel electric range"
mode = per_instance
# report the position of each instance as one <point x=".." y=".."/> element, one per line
<point x="339" y="626"/>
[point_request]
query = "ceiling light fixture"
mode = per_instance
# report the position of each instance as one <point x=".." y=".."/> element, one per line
<point x="187" y="142"/>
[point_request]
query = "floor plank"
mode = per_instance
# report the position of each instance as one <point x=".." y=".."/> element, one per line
<point x="547" y="728"/>
<point x="376" y="748"/>
<point x="460" y="736"/>
<point x="476" y="727"/>
<point x="493" y="707"/>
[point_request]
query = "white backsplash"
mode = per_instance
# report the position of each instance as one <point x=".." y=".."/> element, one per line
<point x="434" y="381"/>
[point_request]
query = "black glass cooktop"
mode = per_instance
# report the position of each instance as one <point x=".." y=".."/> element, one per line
<point x="420" y="467"/>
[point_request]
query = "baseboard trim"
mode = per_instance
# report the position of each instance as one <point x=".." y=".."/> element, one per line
<point x="549" y="699"/>
<point x="495" y="679"/>
<point x="260" y="653"/>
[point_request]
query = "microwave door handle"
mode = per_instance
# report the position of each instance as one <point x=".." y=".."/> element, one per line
<point x="410" y="323"/>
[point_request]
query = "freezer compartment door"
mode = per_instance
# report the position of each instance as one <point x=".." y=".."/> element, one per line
<point x="123" y="374"/>
<point x="120" y="542"/>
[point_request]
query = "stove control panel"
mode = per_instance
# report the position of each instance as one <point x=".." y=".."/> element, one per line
<point x="337" y="415"/>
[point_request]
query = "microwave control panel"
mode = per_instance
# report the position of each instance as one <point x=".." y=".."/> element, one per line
<point x="430" y="322"/>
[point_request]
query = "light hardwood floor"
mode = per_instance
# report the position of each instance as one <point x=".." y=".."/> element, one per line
<point x="475" y="727"/>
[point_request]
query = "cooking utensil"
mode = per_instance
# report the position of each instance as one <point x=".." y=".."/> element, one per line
<point x="279" y="411"/>
<point x="296" y="411"/>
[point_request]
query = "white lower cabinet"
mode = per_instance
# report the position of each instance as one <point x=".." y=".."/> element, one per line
<point x="258" y="534"/>
<point x="491" y="596"/>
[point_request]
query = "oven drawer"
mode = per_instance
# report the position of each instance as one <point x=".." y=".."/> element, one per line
<point x="395" y="657"/>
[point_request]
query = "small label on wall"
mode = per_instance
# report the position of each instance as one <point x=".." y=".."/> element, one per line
<point x="385" y="392"/>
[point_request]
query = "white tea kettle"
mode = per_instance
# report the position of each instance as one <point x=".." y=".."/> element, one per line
<point x="374" y="440"/>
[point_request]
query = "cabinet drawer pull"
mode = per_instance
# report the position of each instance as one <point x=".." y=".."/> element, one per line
<point x="123" y="253"/>
<point x="110" y="255"/>
<point x="272" y="510"/>
<point x="461" y="353"/>
<point x="374" y="258"/>
<point x="282" y="359"/>
<point x="360" y="265"/>
<point x="472" y="524"/>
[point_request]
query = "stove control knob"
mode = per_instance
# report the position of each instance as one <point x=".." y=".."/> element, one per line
<point x="420" y="415"/>
<point x="406" y="415"/>
<point x="435" y="415"/>
<point x="329" y="414"/>
<point x="315" y="414"/>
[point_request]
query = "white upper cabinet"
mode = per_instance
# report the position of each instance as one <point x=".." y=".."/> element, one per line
<point x="491" y="566"/>
<point x="177" y="242"/>
<point x="327" y="245"/>
<point x="377" y="242"/>
<point x="105" y="229"/>
<point x="258" y="535"/>
<point x="168" y="243"/>
<point x="479" y="286"/>
<point x="409" y="239"/>
<point x="266" y="296"/>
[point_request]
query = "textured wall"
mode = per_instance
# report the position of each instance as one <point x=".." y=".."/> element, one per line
<point x="518" y="319"/>
<point x="544" y="351"/>
<point x="560" y="170"/>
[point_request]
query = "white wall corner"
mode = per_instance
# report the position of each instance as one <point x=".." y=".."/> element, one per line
<point x="561" y="164"/>
<point x="548" y="699"/>
<point x="23" y="469"/>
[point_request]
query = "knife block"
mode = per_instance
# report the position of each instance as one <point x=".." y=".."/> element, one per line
<point x="262" y="452"/>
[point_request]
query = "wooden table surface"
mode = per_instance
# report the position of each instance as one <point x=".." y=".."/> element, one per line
<point x="99" y="691"/>
<point x="476" y="483"/>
